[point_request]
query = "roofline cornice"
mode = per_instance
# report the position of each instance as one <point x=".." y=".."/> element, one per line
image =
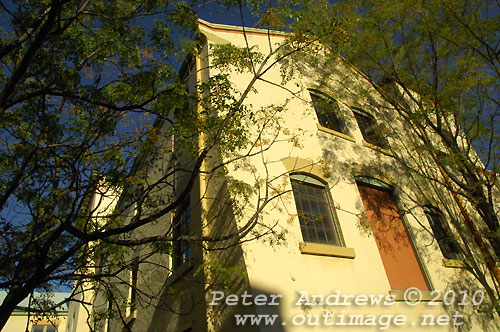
<point x="234" y="28"/>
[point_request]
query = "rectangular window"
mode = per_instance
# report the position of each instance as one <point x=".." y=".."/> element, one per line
<point x="327" y="110"/>
<point x="132" y="295"/>
<point x="316" y="217"/>
<point x="182" y="225"/>
<point x="368" y="128"/>
<point x="107" y="322"/>
<point x="443" y="236"/>
<point x="44" y="328"/>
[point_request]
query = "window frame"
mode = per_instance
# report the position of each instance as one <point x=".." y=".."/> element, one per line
<point x="331" y="120"/>
<point x="182" y="251"/>
<point x="386" y="189"/>
<point x="45" y="326"/>
<point x="368" y="126"/>
<point x="308" y="180"/>
<point x="441" y="233"/>
<point x="133" y="279"/>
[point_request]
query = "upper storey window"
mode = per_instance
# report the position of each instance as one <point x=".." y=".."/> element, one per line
<point x="369" y="130"/>
<point x="44" y="328"/>
<point x="327" y="110"/>
<point x="182" y="225"/>
<point x="443" y="236"/>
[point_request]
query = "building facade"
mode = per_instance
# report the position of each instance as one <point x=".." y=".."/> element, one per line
<point x="29" y="320"/>
<point x="346" y="237"/>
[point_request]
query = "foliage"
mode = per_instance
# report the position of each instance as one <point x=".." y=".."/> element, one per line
<point x="81" y="84"/>
<point x="437" y="64"/>
<point x="80" y="81"/>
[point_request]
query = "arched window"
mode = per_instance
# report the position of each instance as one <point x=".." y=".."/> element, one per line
<point x="316" y="215"/>
<point x="443" y="236"/>
<point x="327" y="110"/>
<point x="368" y="127"/>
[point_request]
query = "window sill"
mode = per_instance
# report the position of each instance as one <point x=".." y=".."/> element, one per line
<point x="322" y="249"/>
<point x="378" y="148"/>
<point x="336" y="133"/>
<point x="453" y="263"/>
<point x="178" y="272"/>
<point x="427" y="296"/>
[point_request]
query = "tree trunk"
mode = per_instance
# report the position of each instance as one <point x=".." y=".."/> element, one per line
<point x="9" y="304"/>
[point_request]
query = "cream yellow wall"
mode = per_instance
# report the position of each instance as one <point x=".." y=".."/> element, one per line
<point x="19" y="322"/>
<point x="275" y="265"/>
<point x="80" y="311"/>
<point x="279" y="267"/>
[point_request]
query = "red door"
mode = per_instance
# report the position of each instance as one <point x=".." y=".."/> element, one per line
<point x="396" y="251"/>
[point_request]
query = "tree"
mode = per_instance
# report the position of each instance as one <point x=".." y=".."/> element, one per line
<point x="81" y="82"/>
<point x="76" y="76"/>
<point x="437" y="64"/>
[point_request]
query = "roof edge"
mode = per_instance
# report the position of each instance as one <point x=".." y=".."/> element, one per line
<point x="226" y="27"/>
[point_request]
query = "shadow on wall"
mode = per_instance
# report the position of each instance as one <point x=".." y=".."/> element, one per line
<point x="186" y="303"/>
<point x="255" y="310"/>
<point x="461" y="293"/>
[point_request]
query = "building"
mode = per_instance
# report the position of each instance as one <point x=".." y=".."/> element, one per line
<point x="346" y="233"/>
<point x="25" y="320"/>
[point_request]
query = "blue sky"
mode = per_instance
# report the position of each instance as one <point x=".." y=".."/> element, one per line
<point x="217" y="14"/>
